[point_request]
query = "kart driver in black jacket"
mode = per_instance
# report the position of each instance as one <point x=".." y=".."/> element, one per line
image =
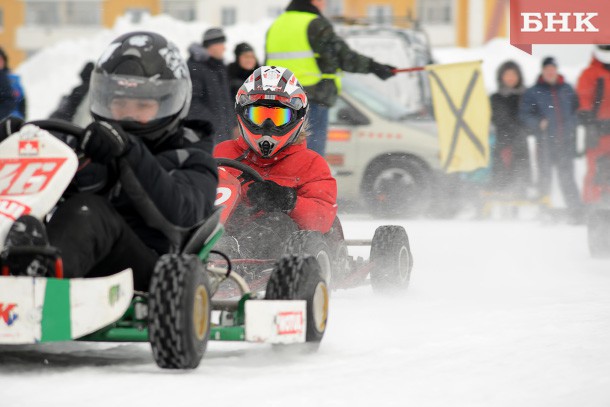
<point x="140" y="93"/>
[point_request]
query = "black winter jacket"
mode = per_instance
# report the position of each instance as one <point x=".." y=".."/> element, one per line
<point x="237" y="77"/>
<point x="7" y="101"/>
<point x="179" y="177"/>
<point x="505" y="117"/>
<point x="333" y="54"/>
<point x="211" y="99"/>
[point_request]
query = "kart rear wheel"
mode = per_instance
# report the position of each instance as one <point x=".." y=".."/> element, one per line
<point x="391" y="260"/>
<point x="308" y="242"/>
<point x="298" y="278"/>
<point x="179" y="310"/>
<point x="598" y="233"/>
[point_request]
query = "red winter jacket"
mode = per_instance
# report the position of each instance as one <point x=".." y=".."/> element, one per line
<point x="594" y="76"/>
<point x="294" y="167"/>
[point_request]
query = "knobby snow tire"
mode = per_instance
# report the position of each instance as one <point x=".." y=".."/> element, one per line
<point x="179" y="311"/>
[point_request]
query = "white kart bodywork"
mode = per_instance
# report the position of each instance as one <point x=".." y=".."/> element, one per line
<point x="35" y="170"/>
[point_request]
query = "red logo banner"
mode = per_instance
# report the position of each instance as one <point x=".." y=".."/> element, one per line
<point x="559" y="22"/>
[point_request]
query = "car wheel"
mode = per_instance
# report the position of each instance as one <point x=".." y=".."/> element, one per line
<point x="397" y="186"/>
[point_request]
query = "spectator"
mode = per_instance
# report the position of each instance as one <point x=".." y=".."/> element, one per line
<point x="75" y="106"/>
<point x="211" y="99"/>
<point x="245" y="63"/>
<point x="548" y="109"/>
<point x="8" y="103"/>
<point x="594" y="95"/>
<point x="511" y="170"/>
<point x="17" y="89"/>
<point x="302" y="40"/>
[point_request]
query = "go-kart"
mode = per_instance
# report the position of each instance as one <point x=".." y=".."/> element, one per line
<point x="38" y="305"/>
<point x="597" y="197"/>
<point x="388" y="268"/>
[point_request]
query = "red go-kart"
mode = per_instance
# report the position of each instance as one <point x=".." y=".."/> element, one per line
<point x="387" y="269"/>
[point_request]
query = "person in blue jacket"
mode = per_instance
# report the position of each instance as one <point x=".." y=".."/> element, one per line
<point x="17" y="92"/>
<point x="7" y="102"/>
<point x="548" y="110"/>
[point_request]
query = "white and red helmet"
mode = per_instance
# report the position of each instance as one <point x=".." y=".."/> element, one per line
<point x="271" y="107"/>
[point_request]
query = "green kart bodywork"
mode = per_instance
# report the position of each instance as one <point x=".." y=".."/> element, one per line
<point x="133" y="325"/>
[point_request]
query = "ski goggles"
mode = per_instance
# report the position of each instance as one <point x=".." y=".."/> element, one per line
<point x="278" y="115"/>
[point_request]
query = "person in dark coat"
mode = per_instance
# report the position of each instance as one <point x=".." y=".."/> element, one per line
<point x="140" y="94"/>
<point x="8" y="104"/>
<point x="304" y="41"/>
<point x="72" y="103"/>
<point x="548" y="109"/>
<point x="211" y="100"/>
<point x="511" y="168"/>
<point x="245" y="63"/>
<point x="18" y="92"/>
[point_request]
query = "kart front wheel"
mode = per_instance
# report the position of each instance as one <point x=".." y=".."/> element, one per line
<point x="391" y="260"/>
<point x="299" y="278"/>
<point x="179" y="310"/>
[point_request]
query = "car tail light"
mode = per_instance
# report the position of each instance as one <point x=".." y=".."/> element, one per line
<point x="335" y="159"/>
<point x="339" y="135"/>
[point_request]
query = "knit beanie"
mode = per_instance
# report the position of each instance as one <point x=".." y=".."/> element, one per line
<point x="213" y="36"/>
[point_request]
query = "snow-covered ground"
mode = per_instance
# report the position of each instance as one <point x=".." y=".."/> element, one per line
<point x="498" y="314"/>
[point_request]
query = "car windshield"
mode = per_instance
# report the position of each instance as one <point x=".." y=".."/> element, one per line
<point x="386" y="107"/>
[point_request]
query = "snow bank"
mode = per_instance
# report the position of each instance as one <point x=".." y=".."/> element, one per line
<point x="572" y="59"/>
<point x="53" y="72"/>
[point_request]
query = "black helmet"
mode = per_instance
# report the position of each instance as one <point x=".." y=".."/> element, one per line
<point x="142" y="65"/>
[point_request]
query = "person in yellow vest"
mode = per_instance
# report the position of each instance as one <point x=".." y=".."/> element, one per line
<point x="303" y="40"/>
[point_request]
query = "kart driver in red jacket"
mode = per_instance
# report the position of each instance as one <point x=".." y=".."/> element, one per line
<point x="298" y="191"/>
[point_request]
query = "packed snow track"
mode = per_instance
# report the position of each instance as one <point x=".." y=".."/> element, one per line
<point x="497" y="314"/>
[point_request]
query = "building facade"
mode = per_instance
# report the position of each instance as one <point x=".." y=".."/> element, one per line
<point x="464" y="23"/>
<point x="29" y="25"/>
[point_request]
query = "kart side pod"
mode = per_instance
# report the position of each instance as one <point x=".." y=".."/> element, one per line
<point x="38" y="309"/>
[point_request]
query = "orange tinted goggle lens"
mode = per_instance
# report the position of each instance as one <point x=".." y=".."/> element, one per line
<point x="278" y="115"/>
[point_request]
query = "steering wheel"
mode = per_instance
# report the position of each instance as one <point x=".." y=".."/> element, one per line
<point x="247" y="173"/>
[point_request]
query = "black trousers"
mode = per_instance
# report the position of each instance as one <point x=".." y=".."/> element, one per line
<point x="96" y="241"/>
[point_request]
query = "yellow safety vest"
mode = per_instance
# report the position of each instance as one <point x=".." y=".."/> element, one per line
<point x="288" y="46"/>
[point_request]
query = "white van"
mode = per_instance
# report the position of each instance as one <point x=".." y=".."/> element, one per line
<point x="382" y="145"/>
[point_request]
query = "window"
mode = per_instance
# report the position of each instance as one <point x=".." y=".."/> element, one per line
<point x="380" y="14"/>
<point x="42" y="13"/>
<point x="69" y="12"/>
<point x="180" y="10"/>
<point x="79" y="13"/>
<point x="344" y="114"/>
<point x="274" y="11"/>
<point x="228" y="16"/>
<point x="334" y="8"/>
<point x="136" y="14"/>
<point x="435" y="11"/>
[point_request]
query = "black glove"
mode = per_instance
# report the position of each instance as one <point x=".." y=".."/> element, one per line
<point x="382" y="71"/>
<point x="270" y="197"/>
<point x="9" y="126"/>
<point x="104" y="142"/>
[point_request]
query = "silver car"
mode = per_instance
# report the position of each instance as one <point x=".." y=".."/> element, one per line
<point x="381" y="154"/>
